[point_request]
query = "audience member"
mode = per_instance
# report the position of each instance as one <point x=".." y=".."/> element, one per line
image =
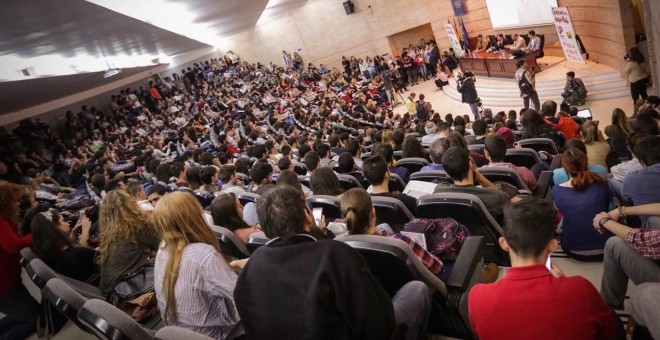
<point x="377" y="173"/>
<point x="565" y="125"/>
<point x="531" y="293"/>
<point x="597" y="148"/>
<point x="386" y="151"/>
<point x="643" y="186"/>
<point x="495" y="150"/>
<point x="348" y="301"/>
<point x="193" y="282"/>
<point x="560" y="176"/>
<point x="435" y="152"/>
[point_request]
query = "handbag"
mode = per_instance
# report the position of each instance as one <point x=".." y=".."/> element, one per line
<point x="134" y="294"/>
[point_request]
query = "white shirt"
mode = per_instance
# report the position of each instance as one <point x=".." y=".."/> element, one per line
<point x="204" y="291"/>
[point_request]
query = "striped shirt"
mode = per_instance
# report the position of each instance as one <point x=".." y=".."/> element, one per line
<point x="204" y="291"/>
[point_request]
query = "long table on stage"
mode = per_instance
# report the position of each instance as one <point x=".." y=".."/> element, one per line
<point x="494" y="64"/>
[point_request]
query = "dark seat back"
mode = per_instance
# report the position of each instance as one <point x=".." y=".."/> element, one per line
<point x="230" y="244"/>
<point x="539" y="144"/>
<point x="391" y="211"/>
<point x="470" y="211"/>
<point x="348" y="182"/>
<point x="430" y="176"/>
<point x="204" y="197"/>
<point x="396" y="183"/>
<point x="502" y="174"/>
<point x="108" y="322"/>
<point x="65" y="299"/>
<point x="247" y="197"/>
<point x="545" y="182"/>
<point x="243" y="178"/>
<point x="27" y="255"/>
<point x="541" y="46"/>
<point x="254" y="243"/>
<point x="478" y="148"/>
<point x="304" y="180"/>
<point x="330" y="204"/>
<point x="398" y="154"/>
<point x="413" y="164"/>
<point x="522" y="157"/>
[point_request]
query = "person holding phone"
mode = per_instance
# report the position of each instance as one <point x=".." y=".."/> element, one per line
<point x="511" y="307"/>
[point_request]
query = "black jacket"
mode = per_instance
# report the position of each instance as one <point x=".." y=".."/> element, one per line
<point x="301" y="288"/>
<point x="468" y="91"/>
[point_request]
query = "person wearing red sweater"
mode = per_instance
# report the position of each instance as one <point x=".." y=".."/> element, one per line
<point x="532" y="302"/>
<point x="16" y="303"/>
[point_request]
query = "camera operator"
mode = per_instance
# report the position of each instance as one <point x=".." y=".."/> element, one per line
<point x="465" y="86"/>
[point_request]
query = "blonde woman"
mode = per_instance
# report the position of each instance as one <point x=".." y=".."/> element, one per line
<point x="194" y="284"/>
<point x="597" y="147"/>
<point x="128" y="238"/>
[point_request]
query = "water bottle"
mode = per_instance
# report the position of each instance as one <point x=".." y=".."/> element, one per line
<point x="503" y="54"/>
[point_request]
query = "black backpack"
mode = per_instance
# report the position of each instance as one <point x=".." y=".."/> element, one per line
<point x="422" y="112"/>
<point x="525" y="86"/>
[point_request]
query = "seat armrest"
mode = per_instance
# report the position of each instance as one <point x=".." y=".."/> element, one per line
<point x="524" y="192"/>
<point x="467" y="263"/>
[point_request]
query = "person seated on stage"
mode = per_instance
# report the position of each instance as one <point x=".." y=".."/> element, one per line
<point x="518" y="43"/>
<point x="513" y="307"/>
<point x="534" y="42"/>
<point x="449" y="61"/>
<point x="575" y="93"/>
<point x="482" y="43"/>
<point x="500" y="42"/>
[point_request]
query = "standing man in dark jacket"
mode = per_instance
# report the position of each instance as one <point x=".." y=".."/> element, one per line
<point x="298" y="286"/>
<point x="468" y="91"/>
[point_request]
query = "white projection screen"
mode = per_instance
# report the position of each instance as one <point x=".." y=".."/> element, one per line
<point x="520" y="13"/>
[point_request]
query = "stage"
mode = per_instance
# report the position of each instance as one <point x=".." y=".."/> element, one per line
<point x="607" y="90"/>
<point x="500" y="64"/>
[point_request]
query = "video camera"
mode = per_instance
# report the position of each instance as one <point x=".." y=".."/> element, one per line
<point x="461" y="77"/>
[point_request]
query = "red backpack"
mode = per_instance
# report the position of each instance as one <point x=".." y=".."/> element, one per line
<point x="444" y="236"/>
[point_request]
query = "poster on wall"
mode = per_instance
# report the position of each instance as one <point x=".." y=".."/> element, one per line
<point x="566" y="33"/>
<point x="453" y="39"/>
<point x="459" y="7"/>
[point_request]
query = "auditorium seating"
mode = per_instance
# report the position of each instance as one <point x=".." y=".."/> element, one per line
<point x="65" y="300"/>
<point x="413" y="164"/>
<point x="247" y="197"/>
<point x="396" y="183"/>
<point x="40" y="274"/>
<point x="471" y="212"/>
<point x="435" y="176"/>
<point x="330" y="205"/>
<point x="522" y="157"/>
<point x="391" y="211"/>
<point x="394" y="264"/>
<point x="230" y="244"/>
<point x="539" y="144"/>
<point x="506" y="175"/>
<point x="348" y="182"/>
<point x="27" y="255"/>
<point x="108" y="322"/>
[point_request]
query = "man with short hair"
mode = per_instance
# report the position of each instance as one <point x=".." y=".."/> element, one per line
<point x="136" y="190"/>
<point x="526" y="302"/>
<point x="386" y="150"/>
<point x="230" y="183"/>
<point x="209" y="178"/>
<point x="495" y="150"/>
<point x="526" y="85"/>
<point x="155" y="192"/>
<point x="330" y="293"/>
<point x="456" y="163"/>
<point x="377" y="173"/>
<point x="326" y="157"/>
<point x="354" y="148"/>
<point x="436" y="150"/>
<point x="480" y="129"/>
<point x="423" y="108"/>
<point x="574" y="91"/>
<point x="312" y="161"/>
<point x="518" y="43"/>
<point x="261" y="175"/>
<point x="534" y="42"/>
<point x="643" y="186"/>
<point x="431" y="133"/>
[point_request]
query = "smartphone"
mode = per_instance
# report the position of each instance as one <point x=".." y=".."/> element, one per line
<point x="317" y="212"/>
<point x="81" y="215"/>
<point x="548" y="264"/>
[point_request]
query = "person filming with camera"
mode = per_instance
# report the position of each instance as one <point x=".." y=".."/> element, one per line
<point x="465" y="86"/>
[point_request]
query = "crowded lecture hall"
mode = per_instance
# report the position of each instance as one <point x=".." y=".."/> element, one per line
<point x="330" y="169"/>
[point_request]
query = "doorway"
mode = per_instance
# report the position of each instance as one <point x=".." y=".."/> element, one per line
<point x="408" y="37"/>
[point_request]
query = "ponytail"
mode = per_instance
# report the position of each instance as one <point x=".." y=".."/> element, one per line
<point x="582" y="180"/>
<point x="356" y="209"/>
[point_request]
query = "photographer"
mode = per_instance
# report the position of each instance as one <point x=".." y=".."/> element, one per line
<point x="465" y="86"/>
<point x="637" y="74"/>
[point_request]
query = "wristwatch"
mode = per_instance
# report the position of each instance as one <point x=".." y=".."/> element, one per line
<point x="604" y="220"/>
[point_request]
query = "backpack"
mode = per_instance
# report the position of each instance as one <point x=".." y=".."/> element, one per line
<point x="525" y="86"/>
<point x="444" y="236"/>
<point x="422" y="112"/>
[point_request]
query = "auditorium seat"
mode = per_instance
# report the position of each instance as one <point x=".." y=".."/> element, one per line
<point x="396" y="183"/>
<point x="413" y="164"/>
<point x="394" y="264"/>
<point x="540" y="144"/>
<point x="108" y="322"/>
<point x="230" y="244"/>
<point x="348" y="182"/>
<point x="300" y="168"/>
<point x="544" y="184"/>
<point x="65" y="299"/>
<point x="507" y="175"/>
<point x="304" y="180"/>
<point x="522" y="157"/>
<point x="243" y="178"/>
<point x="40" y="273"/>
<point x="27" y="255"/>
<point x="478" y="148"/>
<point x="247" y="197"/>
<point x="204" y="197"/>
<point x="330" y="204"/>
<point x="470" y="211"/>
<point x="255" y="242"/>
<point x="179" y="333"/>
<point x="391" y="211"/>
<point x="365" y="155"/>
<point x="435" y="176"/>
<point x="398" y="154"/>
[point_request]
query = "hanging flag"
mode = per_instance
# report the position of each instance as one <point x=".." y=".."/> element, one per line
<point x="459" y="7"/>
<point x="464" y="34"/>
<point x="458" y="32"/>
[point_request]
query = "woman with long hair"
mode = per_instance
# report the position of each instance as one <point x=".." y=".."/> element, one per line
<point x="618" y="133"/>
<point x="193" y="282"/>
<point x="412" y="147"/>
<point x="638" y="76"/>
<point x="290" y="178"/>
<point x="360" y="217"/>
<point x="597" y="147"/>
<point x="51" y="241"/>
<point x="227" y="212"/>
<point x="324" y="181"/>
<point x="534" y="126"/>
<point x="128" y="239"/>
<point x="579" y="200"/>
<point x="16" y="303"/>
<point x="387" y="136"/>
